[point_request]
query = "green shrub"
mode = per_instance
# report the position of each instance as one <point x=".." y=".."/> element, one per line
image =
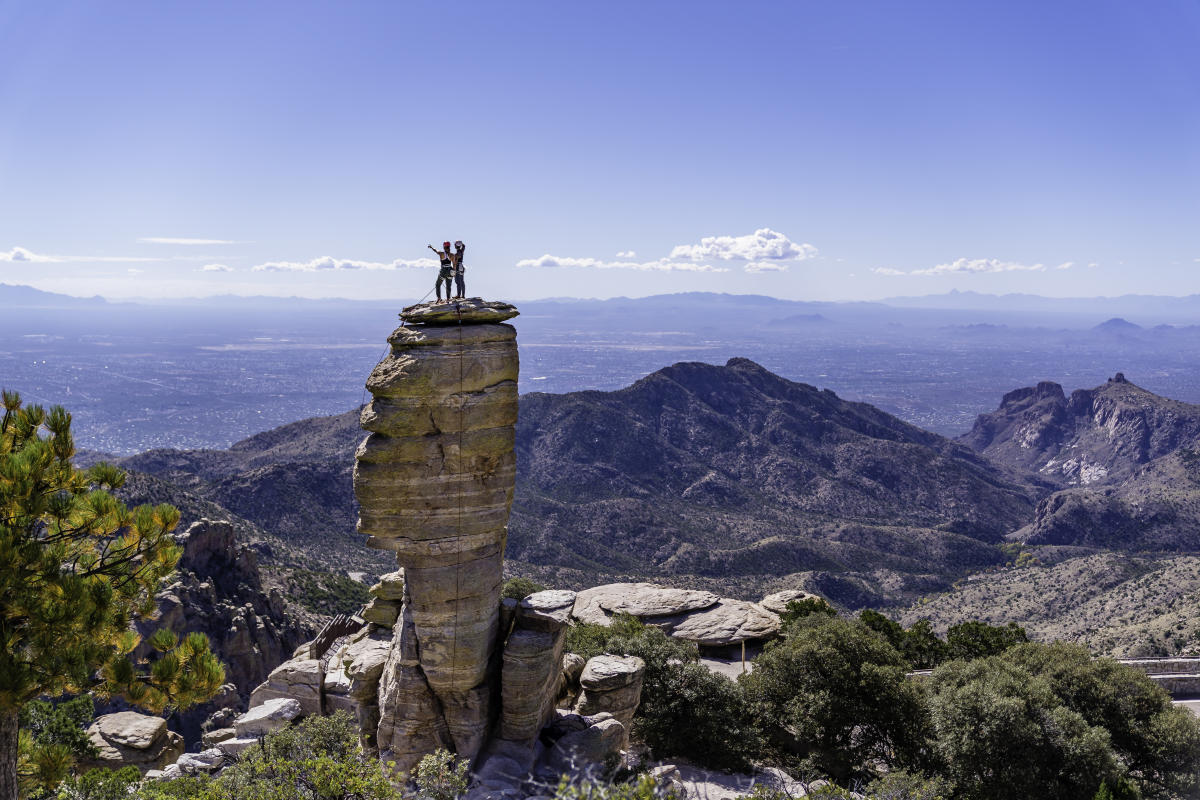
<point x="902" y="785"/>
<point x="834" y="699"/>
<point x="1158" y="743"/>
<point x="100" y="784"/>
<point x="520" y="588"/>
<point x="641" y="787"/>
<point x="799" y="609"/>
<point x="1003" y="733"/>
<point x="695" y="713"/>
<point x="976" y="639"/>
<point x="52" y="738"/>
<point x="319" y="759"/>
<point x="327" y="592"/>
<point x="441" y="776"/>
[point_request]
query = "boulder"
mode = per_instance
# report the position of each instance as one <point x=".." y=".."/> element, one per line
<point x="592" y="745"/>
<point x="546" y="611"/>
<point x="235" y="747"/>
<point x="612" y="684"/>
<point x="381" y="612"/>
<point x="128" y="738"/>
<point x="389" y="587"/>
<point x="299" y="679"/>
<point x="777" y="602"/>
<point x="213" y="738"/>
<point x="728" y="622"/>
<point x="363" y="660"/>
<point x="572" y="666"/>
<point x="203" y="762"/>
<point x="605" y="673"/>
<point x="597" y="605"/>
<point x="270" y="716"/>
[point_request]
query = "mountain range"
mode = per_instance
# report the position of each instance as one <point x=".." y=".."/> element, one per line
<point x="733" y="478"/>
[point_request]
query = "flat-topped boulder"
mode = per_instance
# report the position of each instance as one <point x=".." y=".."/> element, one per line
<point x="607" y="672"/>
<point x="597" y="605"/>
<point x="548" y="610"/>
<point x="128" y="738"/>
<point x="270" y="716"/>
<point x="468" y="311"/>
<point x="777" y="602"/>
<point x="729" y="622"/>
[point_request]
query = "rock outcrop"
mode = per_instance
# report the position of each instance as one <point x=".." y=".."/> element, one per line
<point x="434" y="481"/>
<point x="702" y="618"/>
<point x="128" y="738"/>
<point x="437" y="659"/>
<point x="217" y="590"/>
<point x="613" y="685"/>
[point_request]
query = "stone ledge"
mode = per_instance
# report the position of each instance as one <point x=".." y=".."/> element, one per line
<point x="469" y="311"/>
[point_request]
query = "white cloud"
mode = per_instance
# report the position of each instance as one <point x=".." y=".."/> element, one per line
<point x="762" y="245"/>
<point x="21" y="255"/>
<point x="661" y="265"/>
<point x="631" y="254"/>
<point x="133" y="271"/>
<point x="765" y="266"/>
<point x="1066" y="265"/>
<point x="972" y="266"/>
<point x="1094" y="264"/>
<point x="216" y="268"/>
<point x="326" y="263"/>
<point x="977" y="266"/>
<point x="173" y="240"/>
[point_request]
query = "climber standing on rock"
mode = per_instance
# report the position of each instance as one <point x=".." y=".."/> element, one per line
<point x="460" y="282"/>
<point x="446" y="272"/>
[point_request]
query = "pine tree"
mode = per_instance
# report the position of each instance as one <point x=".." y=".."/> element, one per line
<point x="76" y="567"/>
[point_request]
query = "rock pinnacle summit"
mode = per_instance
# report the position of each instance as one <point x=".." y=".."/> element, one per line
<point x="434" y="480"/>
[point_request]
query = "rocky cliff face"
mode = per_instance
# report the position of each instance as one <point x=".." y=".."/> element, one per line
<point x="434" y="482"/>
<point x="1125" y="459"/>
<point x="1096" y="436"/>
<point x="217" y="591"/>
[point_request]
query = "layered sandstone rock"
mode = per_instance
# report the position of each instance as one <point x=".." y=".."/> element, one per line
<point x="612" y="684"/>
<point x="434" y="481"/>
<point x="532" y="665"/>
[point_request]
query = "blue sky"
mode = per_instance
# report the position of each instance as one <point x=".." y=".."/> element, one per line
<point x="849" y="150"/>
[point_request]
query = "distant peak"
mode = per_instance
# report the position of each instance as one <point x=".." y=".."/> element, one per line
<point x="1118" y="378"/>
<point x="1117" y="324"/>
<point x="743" y="363"/>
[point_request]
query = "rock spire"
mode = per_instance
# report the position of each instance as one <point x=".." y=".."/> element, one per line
<point x="434" y="481"/>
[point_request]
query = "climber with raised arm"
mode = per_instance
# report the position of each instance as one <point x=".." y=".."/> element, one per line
<point x="460" y="282"/>
<point x="446" y="272"/>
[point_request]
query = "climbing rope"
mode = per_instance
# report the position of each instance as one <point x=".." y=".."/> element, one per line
<point x="458" y="555"/>
<point x="362" y="401"/>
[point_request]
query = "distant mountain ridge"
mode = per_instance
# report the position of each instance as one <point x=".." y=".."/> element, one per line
<point x="733" y="477"/>
<point x="19" y="295"/>
<point x="1124" y="458"/>
<point x="710" y="474"/>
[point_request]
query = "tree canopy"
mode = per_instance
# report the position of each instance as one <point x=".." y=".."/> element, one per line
<point x="76" y="566"/>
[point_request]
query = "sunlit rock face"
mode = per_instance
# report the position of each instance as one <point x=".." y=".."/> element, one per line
<point x="434" y="481"/>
